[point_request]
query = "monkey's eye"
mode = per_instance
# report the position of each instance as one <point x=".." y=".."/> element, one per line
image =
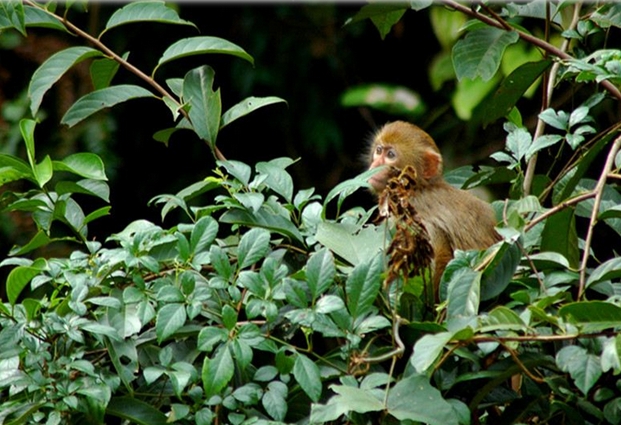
<point x="378" y="150"/>
<point x="391" y="154"/>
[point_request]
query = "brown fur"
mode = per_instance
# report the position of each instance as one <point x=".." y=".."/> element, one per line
<point x="454" y="218"/>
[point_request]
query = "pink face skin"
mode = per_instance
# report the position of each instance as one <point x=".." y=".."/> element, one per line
<point x="382" y="155"/>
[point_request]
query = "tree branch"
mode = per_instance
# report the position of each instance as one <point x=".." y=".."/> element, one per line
<point x="599" y="190"/>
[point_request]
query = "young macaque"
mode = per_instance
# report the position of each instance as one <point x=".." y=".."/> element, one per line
<point x="454" y="218"/>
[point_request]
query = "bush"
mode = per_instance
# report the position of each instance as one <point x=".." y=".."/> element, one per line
<point x="269" y="304"/>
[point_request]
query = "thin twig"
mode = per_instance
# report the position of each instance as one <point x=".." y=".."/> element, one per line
<point x="559" y="207"/>
<point x="599" y="190"/>
<point x="529" y="175"/>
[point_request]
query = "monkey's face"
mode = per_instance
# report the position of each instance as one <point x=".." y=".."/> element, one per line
<point x="383" y="154"/>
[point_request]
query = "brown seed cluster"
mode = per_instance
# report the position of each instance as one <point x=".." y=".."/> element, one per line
<point x="410" y="251"/>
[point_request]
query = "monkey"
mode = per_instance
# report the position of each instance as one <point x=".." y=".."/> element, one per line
<point x="453" y="218"/>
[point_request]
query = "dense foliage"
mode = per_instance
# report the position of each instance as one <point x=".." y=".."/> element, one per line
<point x="268" y="304"/>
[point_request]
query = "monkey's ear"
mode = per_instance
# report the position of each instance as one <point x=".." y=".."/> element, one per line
<point x="433" y="165"/>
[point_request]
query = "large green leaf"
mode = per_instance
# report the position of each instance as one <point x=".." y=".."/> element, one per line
<point x="87" y="186"/>
<point x="33" y="17"/>
<point x="499" y="272"/>
<point x="277" y="178"/>
<point x="263" y="218"/>
<point x="203" y="234"/>
<point x="20" y="276"/>
<point x="205" y="103"/>
<point x="355" y="245"/>
<point x="363" y="285"/>
<point x="253" y="246"/>
<point x="415" y="399"/>
<point x="13" y="168"/>
<point x="200" y="46"/>
<point x="12" y="15"/>
<point x="135" y="411"/>
<point x="169" y="319"/>
<point x="145" y="11"/>
<point x="308" y="376"/>
<point x="247" y="106"/>
<point x="592" y="316"/>
<point x="348" y="399"/>
<point x="584" y="368"/>
<point x="100" y="99"/>
<point x="610" y="269"/>
<point x="320" y="272"/>
<point x="217" y="372"/>
<point x="464" y="295"/>
<point x="87" y="165"/>
<point x="52" y="69"/>
<point x="480" y="52"/>
<point x="560" y="235"/>
<point x="512" y="88"/>
<point x="427" y="349"/>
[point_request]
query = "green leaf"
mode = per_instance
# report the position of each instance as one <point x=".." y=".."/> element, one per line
<point x="392" y="99"/>
<point x="464" y="289"/>
<point x="209" y="336"/>
<point x="500" y="270"/>
<point x="247" y="106"/>
<point x="253" y="246"/>
<point x="592" y="316"/>
<point x="13" y="168"/>
<point x="264" y="218"/>
<point x="33" y="17"/>
<point x="145" y="11"/>
<point x="414" y="399"/>
<point x="427" y="349"/>
<point x="277" y="178"/>
<point x="348" y="399"/>
<point x="229" y="317"/>
<point x="12" y="14"/>
<point x="585" y="369"/>
<point x="135" y="411"/>
<point x="87" y="186"/>
<point x="98" y="213"/>
<point x="480" y="52"/>
<point x="100" y="99"/>
<point x="103" y="71"/>
<point x="363" y="285"/>
<point x="27" y="128"/>
<point x="560" y="235"/>
<point x="38" y="240"/>
<point x="377" y="9"/>
<point x="609" y="270"/>
<point x="20" y="276"/>
<point x="320" y="272"/>
<point x="274" y="400"/>
<point x="307" y="374"/>
<point x="217" y="372"/>
<point x="200" y="46"/>
<point x="237" y="169"/>
<point x="169" y="319"/>
<point x="87" y="165"/>
<point x="43" y="171"/>
<point x="205" y="103"/>
<point x="512" y="89"/>
<point x="203" y="234"/>
<point x="355" y="245"/>
<point x="52" y="69"/>
<point x="502" y="318"/>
